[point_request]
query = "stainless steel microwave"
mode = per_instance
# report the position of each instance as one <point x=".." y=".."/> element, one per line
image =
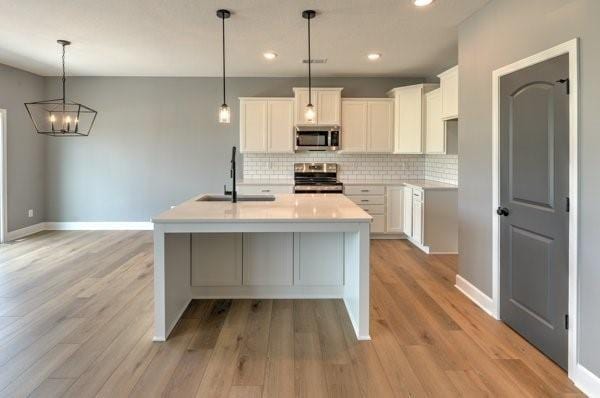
<point x="317" y="138"/>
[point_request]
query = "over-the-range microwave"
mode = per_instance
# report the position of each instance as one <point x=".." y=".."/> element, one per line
<point x="317" y="138"/>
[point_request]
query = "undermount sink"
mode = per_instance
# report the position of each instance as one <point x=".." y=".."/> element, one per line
<point x="240" y="198"/>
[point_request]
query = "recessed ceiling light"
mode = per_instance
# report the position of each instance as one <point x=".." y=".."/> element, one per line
<point x="270" y="55"/>
<point x="374" y="56"/>
<point x="422" y="3"/>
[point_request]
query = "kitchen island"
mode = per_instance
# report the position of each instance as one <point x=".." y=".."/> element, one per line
<point x="293" y="247"/>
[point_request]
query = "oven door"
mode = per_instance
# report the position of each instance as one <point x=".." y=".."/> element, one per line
<point x="318" y="189"/>
<point x="312" y="140"/>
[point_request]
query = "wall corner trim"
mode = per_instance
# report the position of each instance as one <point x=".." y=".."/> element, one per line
<point x="586" y="381"/>
<point x="477" y="296"/>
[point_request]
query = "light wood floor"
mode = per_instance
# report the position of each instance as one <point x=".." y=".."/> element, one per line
<point x="76" y="319"/>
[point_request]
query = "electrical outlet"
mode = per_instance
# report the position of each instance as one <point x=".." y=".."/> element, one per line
<point x="30" y="213"/>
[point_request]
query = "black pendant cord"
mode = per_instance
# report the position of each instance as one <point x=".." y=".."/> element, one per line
<point x="309" y="68"/>
<point x="224" y="101"/>
<point x="64" y="78"/>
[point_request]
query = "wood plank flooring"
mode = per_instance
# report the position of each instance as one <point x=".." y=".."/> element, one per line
<point x="76" y="321"/>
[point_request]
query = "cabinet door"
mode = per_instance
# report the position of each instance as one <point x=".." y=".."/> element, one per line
<point x="328" y="108"/>
<point x="281" y="126"/>
<point x="354" y="126"/>
<point x="449" y="85"/>
<point x="216" y="259"/>
<point x="409" y="122"/>
<point x="268" y="259"/>
<point x="319" y="258"/>
<point x="435" y="137"/>
<point x="380" y="131"/>
<point x="395" y="209"/>
<point x="408" y="209"/>
<point x="301" y="100"/>
<point x="253" y="126"/>
<point x="417" y="227"/>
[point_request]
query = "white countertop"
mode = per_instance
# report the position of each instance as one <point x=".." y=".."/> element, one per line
<point x="275" y="181"/>
<point x="423" y="184"/>
<point x="285" y="208"/>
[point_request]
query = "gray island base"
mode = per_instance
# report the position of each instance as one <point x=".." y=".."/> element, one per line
<point x="295" y="247"/>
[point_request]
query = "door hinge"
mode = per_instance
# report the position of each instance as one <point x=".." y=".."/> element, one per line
<point x="568" y="204"/>
<point x="568" y="84"/>
<point x="567" y="321"/>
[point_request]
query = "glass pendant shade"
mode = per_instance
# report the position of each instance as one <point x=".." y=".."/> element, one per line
<point x="224" y="114"/>
<point x="59" y="117"/>
<point x="310" y="114"/>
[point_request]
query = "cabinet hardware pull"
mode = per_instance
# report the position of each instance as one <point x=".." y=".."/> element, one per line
<point x="364" y="200"/>
<point x="364" y="190"/>
<point x="266" y="190"/>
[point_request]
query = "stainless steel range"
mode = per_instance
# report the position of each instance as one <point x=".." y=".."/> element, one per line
<point x="316" y="178"/>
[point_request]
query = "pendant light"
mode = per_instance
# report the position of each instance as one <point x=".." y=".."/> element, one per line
<point x="310" y="113"/>
<point x="224" y="111"/>
<point x="59" y="117"/>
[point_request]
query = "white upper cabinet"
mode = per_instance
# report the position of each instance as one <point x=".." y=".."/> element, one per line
<point x="409" y="117"/>
<point x="435" y="136"/>
<point x="253" y="125"/>
<point x="327" y="103"/>
<point x="449" y="87"/>
<point x="380" y="131"/>
<point x="367" y="125"/>
<point x="354" y="125"/>
<point x="281" y="125"/>
<point x="266" y="125"/>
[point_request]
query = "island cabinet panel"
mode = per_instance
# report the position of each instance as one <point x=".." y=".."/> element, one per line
<point x="216" y="259"/>
<point x="268" y="259"/>
<point x="319" y="259"/>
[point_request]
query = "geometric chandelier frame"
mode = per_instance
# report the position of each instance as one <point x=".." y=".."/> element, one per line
<point x="59" y="117"/>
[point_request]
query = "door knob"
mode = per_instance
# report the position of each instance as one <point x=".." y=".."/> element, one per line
<point x="502" y="211"/>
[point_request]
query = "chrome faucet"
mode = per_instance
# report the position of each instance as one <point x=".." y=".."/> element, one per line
<point x="233" y="191"/>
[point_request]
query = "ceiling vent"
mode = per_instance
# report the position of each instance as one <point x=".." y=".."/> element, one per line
<point x="315" y="61"/>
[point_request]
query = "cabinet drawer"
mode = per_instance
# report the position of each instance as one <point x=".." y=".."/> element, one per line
<point x="367" y="200"/>
<point x="378" y="224"/>
<point x="373" y="209"/>
<point x="417" y="194"/>
<point x="263" y="189"/>
<point x="364" y="189"/>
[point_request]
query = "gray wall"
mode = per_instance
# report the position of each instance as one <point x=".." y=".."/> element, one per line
<point x="157" y="142"/>
<point x="25" y="149"/>
<point x="501" y="33"/>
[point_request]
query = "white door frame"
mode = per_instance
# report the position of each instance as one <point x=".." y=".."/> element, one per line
<point x="3" y="178"/>
<point x="572" y="49"/>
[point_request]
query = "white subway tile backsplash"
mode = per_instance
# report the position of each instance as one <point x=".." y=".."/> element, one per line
<point x="357" y="167"/>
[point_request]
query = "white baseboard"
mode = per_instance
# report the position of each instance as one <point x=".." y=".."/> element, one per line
<point x="586" y="381"/>
<point x="476" y="295"/>
<point x="80" y="226"/>
<point x="21" y="233"/>
<point x="100" y="226"/>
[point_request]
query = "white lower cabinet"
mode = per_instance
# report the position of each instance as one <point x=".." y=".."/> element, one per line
<point x="216" y="259"/>
<point x="395" y="209"/>
<point x="417" y="220"/>
<point x="319" y="259"/>
<point x="407" y="209"/>
<point x="268" y="259"/>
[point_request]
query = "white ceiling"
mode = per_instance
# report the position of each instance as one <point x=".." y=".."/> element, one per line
<point x="183" y="37"/>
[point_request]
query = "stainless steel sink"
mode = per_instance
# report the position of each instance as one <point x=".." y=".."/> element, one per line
<point x="240" y="198"/>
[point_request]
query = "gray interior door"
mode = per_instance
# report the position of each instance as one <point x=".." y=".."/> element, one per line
<point x="534" y="172"/>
